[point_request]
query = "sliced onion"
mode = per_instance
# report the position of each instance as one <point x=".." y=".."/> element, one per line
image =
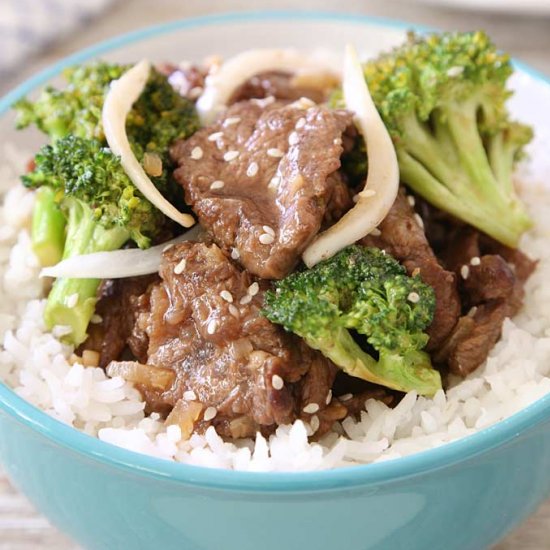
<point x="380" y="191"/>
<point x="122" y="95"/>
<point x="149" y="376"/>
<point x="185" y="414"/>
<point x="221" y="84"/>
<point x="118" y="264"/>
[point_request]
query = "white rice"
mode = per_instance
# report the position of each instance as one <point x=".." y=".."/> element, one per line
<point x="36" y="365"/>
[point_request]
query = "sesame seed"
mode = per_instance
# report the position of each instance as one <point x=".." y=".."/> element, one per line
<point x="301" y="123"/>
<point x="232" y="120"/>
<point x="337" y="141"/>
<point x="455" y="71"/>
<point x="72" y="300"/>
<point x="230" y="155"/>
<point x="227" y="296"/>
<point x="411" y="200"/>
<point x="168" y="247"/>
<point x="368" y="193"/>
<point x="268" y="229"/>
<point x="179" y="269"/>
<point x="293" y="138"/>
<point x="419" y="220"/>
<point x="252" y="169"/>
<point x="275" y="153"/>
<point x="212" y="326"/>
<point x="233" y="310"/>
<point x="375" y="232"/>
<point x="245" y="300"/>
<point x="413" y="297"/>
<point x="96" y="319"/>
<point x="196" y="153"/>
<point x="475" y="260"/>
<point x="277" y="382"/>
<point x="329" y="397"/>
<point x="235" y="254"/>
<point x="346" y="397"/>
<point x="311" y="408"/>
<point x="210" y="413"/>
<point x="355" y="198"/>
<point x="177" y="80"/>
<point x="266" y="238"/>
<point x="314" y="423"/>
<point x="215" y="136"/>
<point x="218" y="184"/>
<point x="253" y="289"/>
<point x="472" y="312"/>
<point x="416" y="271"/>
<point x="275" y="181"/>
<point x="464" y="271"/>
<point x="189" y="395"/>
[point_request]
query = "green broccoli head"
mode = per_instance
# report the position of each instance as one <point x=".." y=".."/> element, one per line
<point x="366" y="291"/>
<point x="102" y="210"/>
<point x="84" y="170"/>
<point x="75" y="110"/>
<point x="159" y="116"/>
<point x="443" y="100"/>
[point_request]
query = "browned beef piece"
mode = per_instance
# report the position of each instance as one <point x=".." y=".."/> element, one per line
<point x="339" y="201"/>
<point x="473" y="337"/>
<point x="402" y="236"/>
<point x="491" y="287"/>
<point x="264" y="181"/>
<point x="522" y="265"/>
<point x="118" y="306"/>
<point x="204" y="322"/>
<point x="491" y="279"/>
<point x="280" y="85"/>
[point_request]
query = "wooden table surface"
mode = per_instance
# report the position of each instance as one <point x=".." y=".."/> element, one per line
<point x="528" y="39"/>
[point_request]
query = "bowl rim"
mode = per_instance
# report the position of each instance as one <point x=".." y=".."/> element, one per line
<point x="26" y="414"/>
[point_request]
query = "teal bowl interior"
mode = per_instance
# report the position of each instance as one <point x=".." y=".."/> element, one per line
<point x="465" y="494"/>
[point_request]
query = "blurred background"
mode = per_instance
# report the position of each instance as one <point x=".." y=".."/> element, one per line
<point x="34" y="33"/>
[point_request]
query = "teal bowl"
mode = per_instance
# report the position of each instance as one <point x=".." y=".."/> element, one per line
<point x="463" y="495"/>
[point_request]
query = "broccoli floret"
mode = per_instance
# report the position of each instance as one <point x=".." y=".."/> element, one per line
<point x="103" y="211"/>
<point x="443" y="99"/>
<point x="368" y="292"/>
<point x="159" y="116"/>
<point x="75" y="110"/>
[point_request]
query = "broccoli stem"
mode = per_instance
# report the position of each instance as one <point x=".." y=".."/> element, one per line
<point x="501" y="160"/>
<point x="412" y="371"/>
<point x="48" y="228"/>
<point x="438" y="153"/>
<point x="468" y="180"/>
<point x="501" y="199"/>
<point x="424" y="183"/>
<point x="463" y="127"/>
<point x="71" y="302"/>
